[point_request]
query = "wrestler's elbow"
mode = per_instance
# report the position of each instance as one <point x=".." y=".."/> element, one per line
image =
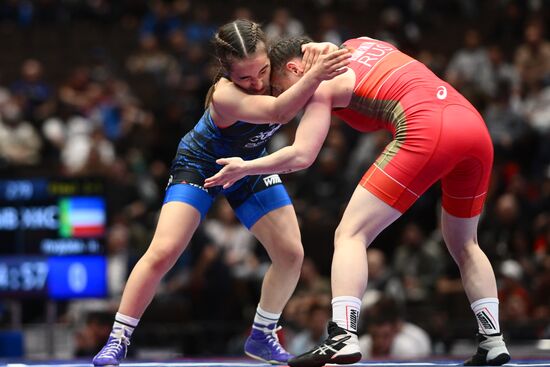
<point x="303" y="159"/>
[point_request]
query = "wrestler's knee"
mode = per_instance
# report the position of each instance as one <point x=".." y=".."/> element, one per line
<point x="161" y="256"/>
<point x="289" y="252"/>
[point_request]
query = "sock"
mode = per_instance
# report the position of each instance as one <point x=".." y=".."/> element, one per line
<point x="264" y="318"/>
<point x="125" y="322"/>
<point x="486" y="311"/>
<point x="345" y="312"/>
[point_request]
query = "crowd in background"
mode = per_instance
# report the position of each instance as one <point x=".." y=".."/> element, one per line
<point x="107" y="88"/>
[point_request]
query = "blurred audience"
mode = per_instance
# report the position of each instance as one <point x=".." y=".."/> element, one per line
<point x="113" y="99"/>
<point x="20" y="142"/>
<point x="390" y="336"/>
<point x="283" y="24"/>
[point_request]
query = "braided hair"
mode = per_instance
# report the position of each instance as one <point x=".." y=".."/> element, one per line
<point x="235" y="40"/>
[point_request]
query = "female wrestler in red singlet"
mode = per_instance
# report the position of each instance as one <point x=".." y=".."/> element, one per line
<point x="437" y="135"/>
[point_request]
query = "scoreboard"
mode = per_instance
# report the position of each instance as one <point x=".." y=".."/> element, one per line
<point x="52" y="238"/>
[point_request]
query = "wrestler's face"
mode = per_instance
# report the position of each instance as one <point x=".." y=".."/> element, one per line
<point x="252" y="73"/>
<point x="281" y="80"/>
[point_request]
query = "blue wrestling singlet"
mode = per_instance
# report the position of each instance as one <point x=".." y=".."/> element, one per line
<point x="251" y="197"/>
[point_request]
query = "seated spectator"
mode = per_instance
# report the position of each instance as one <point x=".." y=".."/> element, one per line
<point x="389" y="336"/>
<point x="20" y="142"/>
<point x="150" y="59"/>
<point x="79" y="92"/>
<point x="500" y="72"/>
<point x="515" y="301"/>
<point x="329" y="30"/>
<point x="234" y="243"/>
<point x="468" y="63"/>
<point x="382" y="279"/>
<point x="532" y="58"/>
<point x="201" y="29"/>
<point x="416" y="264"/>
<point x="282" y="24"/>
<point x="507" y="127"/>
<point x="86" y="150"/>
<point x="314" y="331"/>
<point x="33" y="93"/>
<point x="160" y="22"/>
<point x="311" y="281"/>
<point x="89" y="338"/>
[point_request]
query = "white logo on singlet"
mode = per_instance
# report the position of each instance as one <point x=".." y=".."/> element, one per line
<point x="441" y="93"/>
<point x="260" y="139"/>
<point x="369" y="53"/>
<point x="272" y="180"/>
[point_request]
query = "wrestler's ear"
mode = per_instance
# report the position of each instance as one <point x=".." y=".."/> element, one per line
<point x="295" y="67"/>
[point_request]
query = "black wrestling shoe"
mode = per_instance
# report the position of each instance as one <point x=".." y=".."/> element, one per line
<point x="490" y="352"/>
<point x="341" y="347"/>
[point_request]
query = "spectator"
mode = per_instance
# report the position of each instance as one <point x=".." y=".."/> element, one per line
<point x="382" y="279"/>
<point x="507" y="126"/>
<point x="85" y="150"/>
<point x="468" y="63"/>
<point x="532" y="58"/>
<point x="496" y="233"/>
<point x="314" y="331"/>
<point x="515" y="301"/>
<point x="32" y="92"/>
<point x="311" y="281"/>
<point x="328" y="29"/>
<point x="150" y="59"/>
<point x="417" y="267"/>
<point x="201" y="29"/>
<point x="282" y="24"/>
<point x="90" y="336"/>
<point x="78" y="92"/>
<point x="234" y="243"/>
<point x="20" y="142"/>
<point x="389" y="336"/>
<point x="160" y="22"/>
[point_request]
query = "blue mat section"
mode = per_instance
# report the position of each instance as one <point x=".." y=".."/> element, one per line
<point x="248" y="363"/>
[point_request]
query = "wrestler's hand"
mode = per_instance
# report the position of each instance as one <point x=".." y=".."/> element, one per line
<point x="330" y="65"/>
<point x="313" y="50"/>
<point x="234" y="169"/>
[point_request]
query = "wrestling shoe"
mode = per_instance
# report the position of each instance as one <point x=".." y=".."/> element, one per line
<point x="115" y="350"/>
<point x="263" y="344"/>
<point x="341" y="347"/>
<point x="490" y="352"/>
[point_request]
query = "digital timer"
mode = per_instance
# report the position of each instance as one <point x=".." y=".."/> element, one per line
<point x="23" y="274"/>
<point x="57" y="277"/>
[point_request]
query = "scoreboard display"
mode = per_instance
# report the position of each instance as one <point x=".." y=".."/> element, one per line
<point x="52" y="238"/>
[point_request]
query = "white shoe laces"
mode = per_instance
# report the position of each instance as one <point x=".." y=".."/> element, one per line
<point x="115" y="345"/>
<point x="274" y="339"/>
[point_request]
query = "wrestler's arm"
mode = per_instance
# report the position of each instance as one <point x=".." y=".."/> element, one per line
<point x="234" y="104"/>
<point x="310" y="135"/>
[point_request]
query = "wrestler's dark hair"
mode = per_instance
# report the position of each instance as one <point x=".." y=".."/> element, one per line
<point x="285" y="50"/>
<point x="235" y="40"/>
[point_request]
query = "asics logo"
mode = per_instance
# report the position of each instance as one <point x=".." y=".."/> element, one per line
<point x="441" y="93"/>
<point x="328" y="346"/>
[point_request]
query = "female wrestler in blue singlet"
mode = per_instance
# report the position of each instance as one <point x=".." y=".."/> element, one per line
<point x="260" y="202"/>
